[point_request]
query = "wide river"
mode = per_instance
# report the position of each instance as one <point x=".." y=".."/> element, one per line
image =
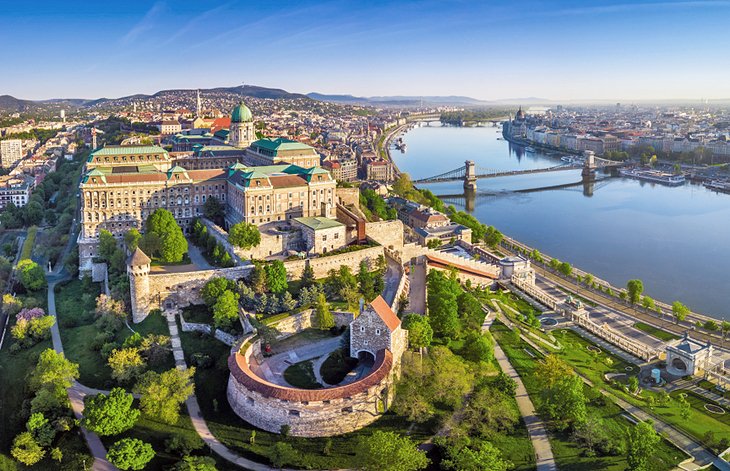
<point x="677" y="240"/>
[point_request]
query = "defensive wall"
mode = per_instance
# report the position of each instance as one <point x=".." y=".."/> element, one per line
<point x="176" y="290"/>
<point x="306" y="319"/>
<point x="308" y="412"/>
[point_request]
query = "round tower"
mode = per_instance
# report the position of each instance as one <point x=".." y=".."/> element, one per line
<point x="138" y="270"/>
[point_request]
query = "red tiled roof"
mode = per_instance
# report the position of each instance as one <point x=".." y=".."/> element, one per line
<point x="381" y="308"/>
<point x="241" y="370"/>
<point x="287" y="181"/>
<point x="220" y="123"/>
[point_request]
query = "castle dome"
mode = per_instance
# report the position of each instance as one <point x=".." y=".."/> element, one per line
<point x="241" y="114"/>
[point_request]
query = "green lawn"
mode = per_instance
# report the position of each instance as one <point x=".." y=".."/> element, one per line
<point x="656" y="332"/>
<point x="591" y="365"/>
<point x="198" y="313"/>
<point x="75" y="309"/>
<point x="567" y="453"/>
<point x="301" y="375"/>
<point x="337" y="365"/>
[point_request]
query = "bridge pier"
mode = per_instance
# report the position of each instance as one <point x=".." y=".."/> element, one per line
<point x="470" y="175"/>
<point x="589" y="167"/>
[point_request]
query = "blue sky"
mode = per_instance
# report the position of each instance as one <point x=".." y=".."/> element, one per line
<point x="619" y="50"/>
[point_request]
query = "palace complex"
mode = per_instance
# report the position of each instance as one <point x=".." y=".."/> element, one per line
<point x="269" y="180"/>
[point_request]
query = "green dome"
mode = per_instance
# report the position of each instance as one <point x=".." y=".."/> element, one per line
<point x="241" y="114"/>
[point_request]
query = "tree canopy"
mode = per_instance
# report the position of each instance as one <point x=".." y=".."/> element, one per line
<point x="642" y="440"/>
<point x="130" y="453"/>
<point x="163" y="393"/>
<point x="634" y="288"/>
<point x="32" y="275"/>
<point x="276" y="276"/>
<point x="388" y="451"/>
<point x="420" y="333"/>
<point x="172" y="244"/>
<point x="244" y="235"/>
<point x="110" y="414"/>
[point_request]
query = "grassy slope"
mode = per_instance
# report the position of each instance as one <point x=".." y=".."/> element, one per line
<point x="567" y="453"/>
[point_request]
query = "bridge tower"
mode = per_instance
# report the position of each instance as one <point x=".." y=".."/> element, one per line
<point x="470" y="175"/>
<point x="589" y="167"/>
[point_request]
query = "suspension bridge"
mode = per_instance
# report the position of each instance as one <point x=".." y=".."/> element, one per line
<point x="470" y="172"/>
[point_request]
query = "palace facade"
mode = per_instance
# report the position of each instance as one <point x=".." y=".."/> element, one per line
<point x="123" y="185"/>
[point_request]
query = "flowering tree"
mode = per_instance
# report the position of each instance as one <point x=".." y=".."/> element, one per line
<point x="30" y="314"/>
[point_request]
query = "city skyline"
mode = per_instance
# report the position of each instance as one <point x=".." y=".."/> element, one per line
<point x="583" y="51"/>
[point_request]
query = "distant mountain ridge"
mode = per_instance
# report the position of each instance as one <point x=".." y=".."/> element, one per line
<point x="398" y="99"/>
<point x="11" y="104"/>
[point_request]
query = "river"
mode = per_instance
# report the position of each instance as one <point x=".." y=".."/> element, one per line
<point x="676" y="240"/>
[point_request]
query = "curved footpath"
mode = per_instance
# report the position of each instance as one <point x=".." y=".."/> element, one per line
<point x="77" y="391"/>
<point x="544" y="459"/>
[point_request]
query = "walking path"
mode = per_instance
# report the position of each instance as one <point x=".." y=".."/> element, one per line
<point x="535" y="428"/>
<point x="77" y="392"/>
<point x="196" y="416"/>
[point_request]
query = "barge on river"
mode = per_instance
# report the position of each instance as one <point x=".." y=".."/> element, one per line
<point x="655" y="176"/>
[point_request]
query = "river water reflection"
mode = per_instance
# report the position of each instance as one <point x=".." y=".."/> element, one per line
<point x="677" y="240"/>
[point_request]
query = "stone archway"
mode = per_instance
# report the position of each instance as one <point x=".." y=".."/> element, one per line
<point x="365" y="357"/>
<point x="678" y="364"/>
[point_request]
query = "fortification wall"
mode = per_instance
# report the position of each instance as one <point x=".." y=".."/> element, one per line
<point x="307" y="412"/>
<point x="176" y="290"/>
<point x="386" y="233"/>
<point x="322" y="265"/>
<point x="273" y="242"/>
<point x="306" y="319"/>
<point x="348" y="196"/>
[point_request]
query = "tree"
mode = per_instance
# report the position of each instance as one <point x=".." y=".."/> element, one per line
<point x="107" y="245"/>
<point x="26" y="449"/>
<point x="195" y="463"/>
<point x="282" y="454"/>
<point x="225" y="309"/>
<point x="276" y="277"/>
<point x="131" y="239"/>
<point x="162" y="394"/>
<point x="565" y="401"/>
<point x="109" y="414"/>
<point x="244" y="235"/>
<point x="11" y="305"/>
<point x="257" y="279"/>
<point x="365" y="281"/>
<point x="214" y="288"/>
<point x="308" y="275"/>
<point x="642" y="440"/>
<point x="478" y="346"/>
<point x="53" y="370"/>
<point x="679" y="311"/>
<point x="565" y="268"/>
<point x="172" y="241"/>
<point x="552" y="369"/>
<point x="685" y="408"/>
<point x="483" y="457"/>
<point x="41" y="429"/>
<point x="126" y="363"/>
<point x="725" y="328"/>
<point x="711" y="325"/>
<point x="324" y="318"/>
<point x="442" y="292"/>
<point x="420" y="333"/>
<point x="388" y="451"/>
<point x="31" y="275"/>
<point x="130" y="453"/>
<point x="648" y="303"/>
<point x="214" y="210"/>
<point x="634" y="288"/>
<point x="493" y="237"/>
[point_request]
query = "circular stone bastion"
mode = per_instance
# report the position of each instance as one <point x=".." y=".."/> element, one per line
<point x="308" y="412"/>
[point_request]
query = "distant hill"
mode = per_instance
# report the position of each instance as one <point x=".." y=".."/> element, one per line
<point x="399" y="100"/>
<point x="11" y="104"/>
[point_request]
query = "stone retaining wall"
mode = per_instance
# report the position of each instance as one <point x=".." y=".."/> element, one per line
<point x="289" y="326"/>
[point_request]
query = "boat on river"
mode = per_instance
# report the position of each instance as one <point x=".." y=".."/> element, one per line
<point x="718" y="185"/>
<point x="529" y="149"/>
<point x="655" y="176"/>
